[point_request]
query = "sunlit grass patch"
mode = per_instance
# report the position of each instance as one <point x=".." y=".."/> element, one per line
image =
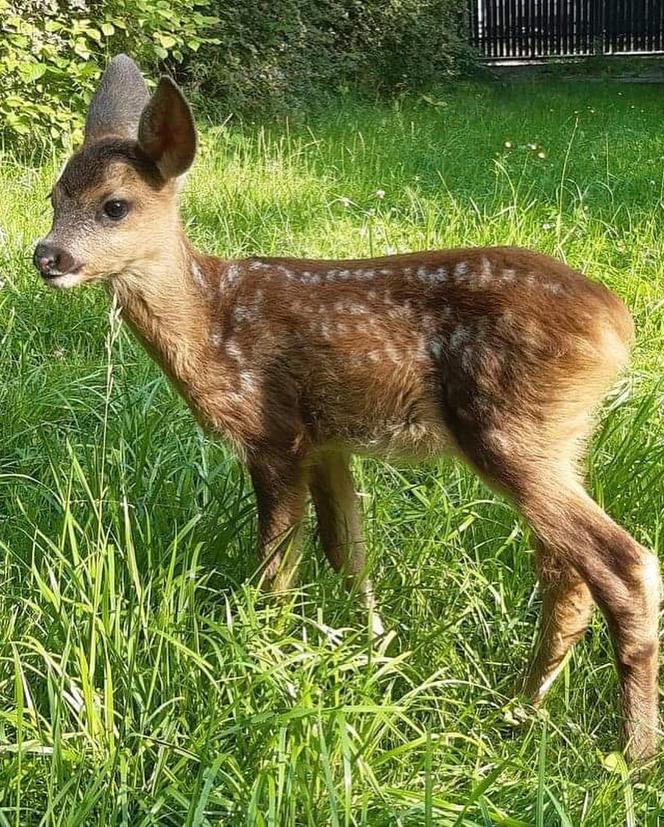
<point x="143" y="679"/>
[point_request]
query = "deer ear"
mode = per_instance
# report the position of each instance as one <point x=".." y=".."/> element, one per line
<point x="118" y="102"/>
<point x="166" y="132"/>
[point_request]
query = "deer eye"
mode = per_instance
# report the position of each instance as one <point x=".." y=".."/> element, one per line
<point x="116" y="209"/>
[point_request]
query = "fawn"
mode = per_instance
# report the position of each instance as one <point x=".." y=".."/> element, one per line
<point x="497" y="356"/>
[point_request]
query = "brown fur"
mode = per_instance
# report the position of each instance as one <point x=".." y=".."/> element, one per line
<point x="495" y="355"/>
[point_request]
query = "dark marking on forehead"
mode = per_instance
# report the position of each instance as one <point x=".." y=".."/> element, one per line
<point x="87" y="168"/>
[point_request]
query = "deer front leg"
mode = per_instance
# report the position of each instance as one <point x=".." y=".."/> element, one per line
<point x="340" y="526"/>
<point x="281" y="491"/>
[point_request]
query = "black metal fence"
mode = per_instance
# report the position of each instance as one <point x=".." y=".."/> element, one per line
<point x="511" y="29"/>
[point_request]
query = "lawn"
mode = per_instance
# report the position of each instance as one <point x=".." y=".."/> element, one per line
<point x="143" y="678"/>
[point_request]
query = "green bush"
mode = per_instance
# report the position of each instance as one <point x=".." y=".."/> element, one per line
<point x="284" y="53"/>
<point x="52" y="53"/>
<point x="250" y="57"/>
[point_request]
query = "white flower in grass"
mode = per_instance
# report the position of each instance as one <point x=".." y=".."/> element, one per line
<point x="344" y="201"/>
<point x="508" y="144"/>
<point x="380" y="194"/>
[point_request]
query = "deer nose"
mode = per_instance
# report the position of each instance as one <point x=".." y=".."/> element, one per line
<point x="51" y="261"/>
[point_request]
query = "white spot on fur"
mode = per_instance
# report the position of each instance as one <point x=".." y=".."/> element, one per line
<point x="533" y="333"/>
<point x="392" y="353"/>
<point x="486" y="273"/>
<point x="247" y="382"/>
<point x="259" y="265"/>
<point x="429" y="324"/>
<point x="459" y="335"/>
<point x="373" y="356"/>
<point x="553" y="287"/>
<point x="215" y="336"/>
<point x="437" y="346"/>
<point x="233" y="350"/>
<point x="460" y="271"/>
<point x="325" y="330"/>
<point x="507" y="320"/>
<point x="386" y="272"/>
<point x="440" y="275"/>
<point x="197" y="275"/>
<point x="233" y="273"/>
<point x="309" y="278"/>
<point x="242" y="314"/>
<point x="508" y="276"/>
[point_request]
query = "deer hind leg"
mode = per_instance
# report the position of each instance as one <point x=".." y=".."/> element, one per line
<point x="281" y="492"/>
<point x="340" y="526"/>
<point x="567" y="606"/>
<point x="622" y="576"/>
<point x="624" y="580"/>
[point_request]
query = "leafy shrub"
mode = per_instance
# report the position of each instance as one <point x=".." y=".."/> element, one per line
<point x="252" y="57"/>
<point x="283" y="53"/>
<point x="52" y="53"/>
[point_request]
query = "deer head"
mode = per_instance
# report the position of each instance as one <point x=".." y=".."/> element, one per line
<point x="115" y="207"/>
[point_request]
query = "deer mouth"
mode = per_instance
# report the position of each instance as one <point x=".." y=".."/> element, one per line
<point x="58" y="279"/>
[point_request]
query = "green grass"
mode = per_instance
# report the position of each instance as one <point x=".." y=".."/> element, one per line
<point x="143" y="680"/>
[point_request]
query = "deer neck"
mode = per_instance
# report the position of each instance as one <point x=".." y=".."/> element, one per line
<point x="168" y="311"/>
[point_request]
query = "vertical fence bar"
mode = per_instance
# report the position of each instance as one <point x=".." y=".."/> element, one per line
<point x="560" y="19"/>
<point x="500" y="36"/>
<point x="537" y="15"/>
